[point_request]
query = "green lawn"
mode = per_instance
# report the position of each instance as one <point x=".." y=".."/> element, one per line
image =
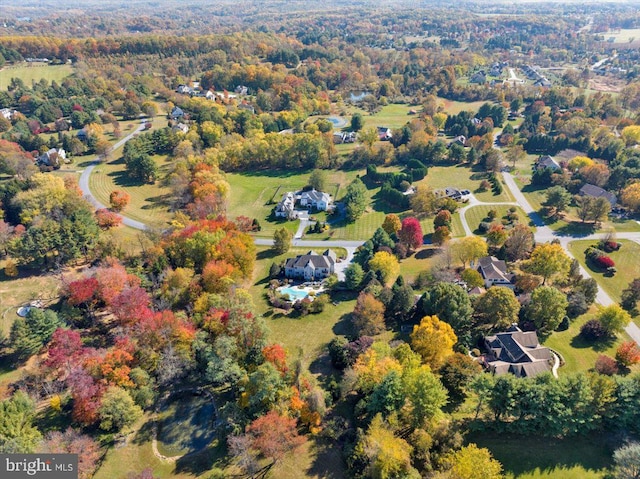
<point x="255" y="194"/>
<point x="421" y="260"/>
<point x="149" y="202"/>
<point x="626" y="260"/>
<point x="455" y="107"/>
<point x="463" y="177"/>
<point x="390" y="116"/>
<point x="477" y="214"/>
<point x="578" y="354"/>
<point x="33" y="72"/>
<point x="534" y="457"/>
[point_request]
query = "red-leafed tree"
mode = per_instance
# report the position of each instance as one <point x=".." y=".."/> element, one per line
<point x="65" y="350"/>
<point x="83" y="292"/>
<point x="112" y="278"/>
<point x="628" y="354"/>
<point x="274" y="435"/>
<point x="86" y="393"/>
<point x="276" y="355"/>
<point x="411" y="233"/>
<point x="119" y="200"/>
<point x="131" y="305"/>
<point x="107" y="219"/>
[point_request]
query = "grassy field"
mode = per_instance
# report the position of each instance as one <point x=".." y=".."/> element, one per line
<point x="390" y="116"/>
<point x="625" y="35"/>
<point x="149" y="202"/>
<point x="33" y="72"/>
<point x="532" y="457"/>
<point x="479" y="213"/>
<point x="455" y="107"/>
<point x="626" y="260"/>
<point x="580" y="355"/>
<point x="462" y="177"/>
<point x="421" y="260"/>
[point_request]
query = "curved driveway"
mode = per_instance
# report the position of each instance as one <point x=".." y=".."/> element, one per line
<point x="86" y="173"/>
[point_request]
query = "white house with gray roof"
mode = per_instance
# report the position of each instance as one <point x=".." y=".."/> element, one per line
<point x="517" y="352"/>
<point x="311" y="266"/>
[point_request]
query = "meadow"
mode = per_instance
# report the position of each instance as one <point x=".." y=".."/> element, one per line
<point x="33" y="73"/>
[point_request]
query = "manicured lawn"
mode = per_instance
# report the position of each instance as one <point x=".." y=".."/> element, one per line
<point x="455" y="107"/>
<point x="626" y="260"/>
<point x="149" y="202"/>
<point x="533" y="457"/>
<point x="578" y="354"/>
<point x="314" y="460"/>
<point x="390" y="116"/>
<point x="35" y="72"/>
<point x="421" y="260"/>
<point x="255" y="194"/>
<point x="462" y="177"/>
<point x="477" y="214"/>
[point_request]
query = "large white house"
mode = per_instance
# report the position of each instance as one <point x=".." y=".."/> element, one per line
<point x="315" y="199"/>
<point x="311" y="199"/>
<point x="311" y="266"/>
<point x="286" y="207"/>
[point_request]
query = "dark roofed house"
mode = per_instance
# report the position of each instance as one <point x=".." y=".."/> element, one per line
<point x="494" y="272"/>
<point x="311" y="266"/>
<point x="518" y="353"/>
<point x="176" y="113"/>
<point x="597" y="192"/>
<point x="384" y="133"/>
<point x="547" y="161"/>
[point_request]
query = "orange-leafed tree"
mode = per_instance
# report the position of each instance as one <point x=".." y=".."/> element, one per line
<point x="273" y="435"/>
<point x="119" y="200"/>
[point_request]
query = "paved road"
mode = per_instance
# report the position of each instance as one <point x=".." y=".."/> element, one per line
<point x="545" y="234"/>
<point x="84" y="181"/>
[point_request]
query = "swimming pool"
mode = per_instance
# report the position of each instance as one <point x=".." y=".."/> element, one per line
<point x="295" y="294"/>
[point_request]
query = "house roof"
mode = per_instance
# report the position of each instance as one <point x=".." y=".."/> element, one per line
<point x="315" y="196"/>
<point x="518" y="352"/>
<point x="597" y="192"/>
<point x="314" y="260"/>
<point x="495" y="269"/>
<point x="547" y="161"/>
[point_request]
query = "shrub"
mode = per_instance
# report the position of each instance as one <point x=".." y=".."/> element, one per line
<point x="484" y="185"/>
<point x="492" y="214"/>
<point x="484" y="226"/>
<point x="606" y="365"/>
<point x="628" y="354"/>
<point x="604" y="262"/>
<point x="593" y="330"/>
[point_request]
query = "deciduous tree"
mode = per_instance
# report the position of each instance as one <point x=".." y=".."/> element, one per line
<point x="433" y="340"/>
<point x="498" y="307"/>
<point x="470" y="248"/>
<point x="386" y="265"/>
<point x="355" y="200"/>
<point x="411" y="233"/>
<point x="473" y="462"/>
<point x="548" y="260"/>
<point x="282" y="240"/>
<point x="274" y="435"/>
<point x="119" y="200"/>
<point x="547" y="308"/>
<point x="368" y="315"/>
<point x="391" y="224"/>
<point x="613" y="318"/>
<point x="118" y="410"/>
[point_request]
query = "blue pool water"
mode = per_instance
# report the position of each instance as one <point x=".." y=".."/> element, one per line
<point x="335" y="121"/>
<point x="295" y="294"/>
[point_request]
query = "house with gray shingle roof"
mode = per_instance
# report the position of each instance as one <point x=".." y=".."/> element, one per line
<point x="597" y="192"/>
<point x="311" y="266"/>
<point x="517" y="352"/>
<point x="494" y="272"/>
<point x="547" y="161"/>
<point x="315" y="199"/>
